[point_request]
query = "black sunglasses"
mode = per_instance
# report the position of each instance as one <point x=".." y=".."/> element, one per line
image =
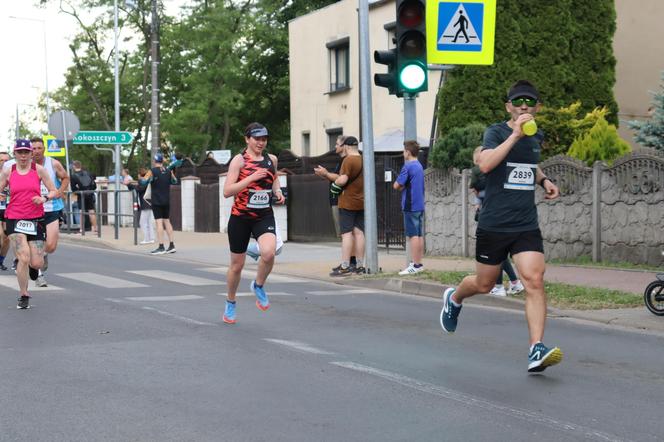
<point x="530" y="102"/>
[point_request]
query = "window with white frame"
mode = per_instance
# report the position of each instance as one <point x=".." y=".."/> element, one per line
<point x="339" y="64"/>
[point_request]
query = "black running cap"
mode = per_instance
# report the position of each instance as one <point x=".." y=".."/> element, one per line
<point x="259" y="131"/>
<point x="523" y="90"/>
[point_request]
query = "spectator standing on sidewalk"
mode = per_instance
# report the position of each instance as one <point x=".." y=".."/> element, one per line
<point x="82" y="180"/>
<point x="349" y="185"/>
<point x="411" y="184"/>
<point x="160" y="179"/>
<point x="334" y="197"/>
<point x="508" y="221"/>
<point x="146" y="217"/>
<point x="252" y="180"/>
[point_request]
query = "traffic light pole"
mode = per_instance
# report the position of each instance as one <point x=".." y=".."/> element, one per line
<point x="368" y="169"/>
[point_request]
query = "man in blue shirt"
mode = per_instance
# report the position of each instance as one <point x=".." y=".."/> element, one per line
<point x="411" y="183"/>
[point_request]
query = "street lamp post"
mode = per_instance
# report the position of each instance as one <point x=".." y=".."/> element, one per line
<point x="43" y="22"/>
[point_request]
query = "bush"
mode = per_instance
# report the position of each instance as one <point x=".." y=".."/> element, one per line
<point x="456" y="148"/>
<point x="600" y="143"/>
<point x="563" y="125"/>
<point x="650" y="133"/>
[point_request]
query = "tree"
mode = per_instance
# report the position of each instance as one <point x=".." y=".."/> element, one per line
<point x="563" y="46"/>
<point x="563" y="125"/>
<point x="456" y="148"/>
<point x="600" y="143"/>
<point x="650" y="133"/>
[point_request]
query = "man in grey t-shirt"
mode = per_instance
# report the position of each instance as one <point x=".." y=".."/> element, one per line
<point x="508" y="221"/>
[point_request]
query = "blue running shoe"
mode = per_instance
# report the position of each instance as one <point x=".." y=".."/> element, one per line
<point x="450" y="313"/>
<point x="252" y="251"/>
<point x="261" y="302"/>
<point x="541" y="357"/>
<point x="229" y="313"/>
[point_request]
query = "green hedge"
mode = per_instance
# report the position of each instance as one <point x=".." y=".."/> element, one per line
<point x="563" y="46"/>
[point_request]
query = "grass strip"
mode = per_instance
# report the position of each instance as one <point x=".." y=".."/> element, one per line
<point x="564" y="296"/>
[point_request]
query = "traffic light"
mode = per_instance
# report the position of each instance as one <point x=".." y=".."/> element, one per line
<point x="411" y="48"/>
<point x="388" y="80"/>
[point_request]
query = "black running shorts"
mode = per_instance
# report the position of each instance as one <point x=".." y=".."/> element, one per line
<point x="240" y="231"/>
<point x="49" y="217"/>
<point x="492" y="248"/>
<point x="14" y="226"/>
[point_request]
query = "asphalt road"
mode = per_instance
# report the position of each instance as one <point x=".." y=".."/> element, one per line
<point x="126" y="346"/>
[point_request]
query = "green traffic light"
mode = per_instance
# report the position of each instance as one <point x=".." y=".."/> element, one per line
<point x="412" y="77"/>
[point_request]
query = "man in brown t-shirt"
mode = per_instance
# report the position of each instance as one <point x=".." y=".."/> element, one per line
<point x="351" y="209"/>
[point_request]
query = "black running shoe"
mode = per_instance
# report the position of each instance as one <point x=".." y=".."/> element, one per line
<point x="2" y="267"/>
<point x="23" y="303"/>
<point x="360" y="270"/>
<point x="170" y="249"/>
<point x="342" y="271"/>
<point x="34" y="273"/>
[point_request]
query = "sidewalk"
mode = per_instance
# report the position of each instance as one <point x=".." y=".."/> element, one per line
<point x="314" y="260"/>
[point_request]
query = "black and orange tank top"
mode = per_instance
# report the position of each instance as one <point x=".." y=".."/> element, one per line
<point x="255" y="200"/>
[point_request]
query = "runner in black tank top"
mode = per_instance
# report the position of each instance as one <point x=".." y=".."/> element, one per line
<point x="252" y="180"/>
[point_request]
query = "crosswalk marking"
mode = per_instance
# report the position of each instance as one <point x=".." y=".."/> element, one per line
<point x="272" y="278"/>
<point x="101" y="280"/>
<point x="12" y="283"/>
<point x="340" y="292"/>
<point x="242" y="294"/>
<point x="180" y="278"/>
<point x="163" y="298"/>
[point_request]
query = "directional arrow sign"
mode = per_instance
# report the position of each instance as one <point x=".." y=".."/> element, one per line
<point x="103" y="137"/>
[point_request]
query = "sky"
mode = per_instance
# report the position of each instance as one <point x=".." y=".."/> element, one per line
<point x="23" y="76"/>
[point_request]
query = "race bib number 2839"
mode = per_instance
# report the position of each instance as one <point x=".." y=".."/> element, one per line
<point x="520" y="176"/>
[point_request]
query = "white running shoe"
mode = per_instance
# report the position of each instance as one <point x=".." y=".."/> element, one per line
<point x="515" y="288"/>
<point x="498" y="290"/>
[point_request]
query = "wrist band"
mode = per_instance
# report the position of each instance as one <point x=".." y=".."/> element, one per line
<point x="541" y="183"/>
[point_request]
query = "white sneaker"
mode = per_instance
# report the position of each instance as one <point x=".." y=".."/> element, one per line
<point x="498" y="290"/>
<point x="411" y="270"/>
<point x="515" y="288"/>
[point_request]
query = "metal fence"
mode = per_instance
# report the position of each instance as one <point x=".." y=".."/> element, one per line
<point x="76" y="216"/>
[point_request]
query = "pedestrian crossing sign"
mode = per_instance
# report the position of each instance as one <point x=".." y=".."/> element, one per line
<point x="52" y="148"/>
<point x="460" y="32"/>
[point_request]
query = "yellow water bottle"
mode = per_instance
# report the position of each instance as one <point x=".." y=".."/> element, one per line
<point x="529" y="128"/>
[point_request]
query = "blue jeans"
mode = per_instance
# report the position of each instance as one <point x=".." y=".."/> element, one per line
<point x="413" y="223"/>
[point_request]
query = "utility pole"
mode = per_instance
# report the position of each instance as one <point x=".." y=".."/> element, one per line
<point x="117" y="121"/>
<point x="154" y="57"/>
<point x="369" y="172"/>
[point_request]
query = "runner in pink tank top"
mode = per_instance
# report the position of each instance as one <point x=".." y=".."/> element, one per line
<point x="24" y="215"/>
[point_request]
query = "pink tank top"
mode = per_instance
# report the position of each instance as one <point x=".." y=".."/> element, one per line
<point x="22" y="188"/>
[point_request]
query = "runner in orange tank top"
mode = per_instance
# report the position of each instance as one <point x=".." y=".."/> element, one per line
<point x="252" y="180"/>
